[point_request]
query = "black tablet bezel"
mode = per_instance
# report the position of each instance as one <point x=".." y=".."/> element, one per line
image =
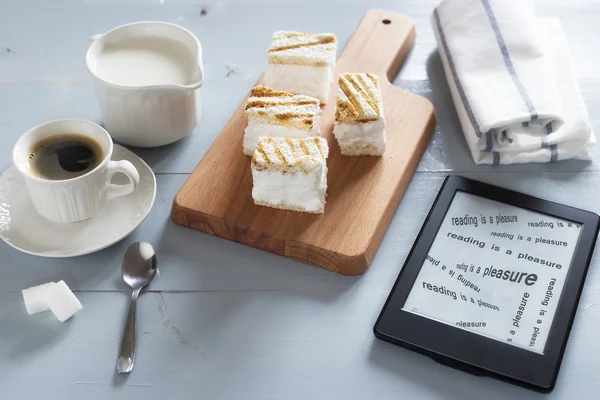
<point x="469" y="351"/>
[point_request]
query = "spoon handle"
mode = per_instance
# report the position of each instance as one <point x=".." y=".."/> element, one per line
<point x="127" y="352"/>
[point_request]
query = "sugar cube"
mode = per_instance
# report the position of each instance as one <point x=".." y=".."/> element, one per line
<point x="35" y="298"/>
<point x="62" y="301"/>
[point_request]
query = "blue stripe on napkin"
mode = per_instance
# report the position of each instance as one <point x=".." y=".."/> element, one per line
<point x="508" y="61"/>
<point x="488" y="141"/>
<point x="553" y="148"/>
<point x="496" y="158"/>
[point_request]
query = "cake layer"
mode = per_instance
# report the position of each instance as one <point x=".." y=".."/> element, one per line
<point x="303" y="79"/>
<point x="288" y="155"/>
<point x="288" y="47"/>
<point x="299" y="191"/>
<point x="360" y="148"/>
<point x="369" y="130"/>
<point x="366" y="138"/>
<point x="257" y="128"/>
<point x="358" y="98"/>
<point x="283" y="108"/>
<point x="277" y="113"/>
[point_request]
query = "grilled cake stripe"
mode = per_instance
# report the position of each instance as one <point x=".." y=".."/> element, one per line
<point x="353" y="105"/>
<point x="319" y="41"/>
<point x="366" y="93"/>
<point x="363" y="91"/>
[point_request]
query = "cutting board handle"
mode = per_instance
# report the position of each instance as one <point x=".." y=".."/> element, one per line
<point x="380" y="44"/>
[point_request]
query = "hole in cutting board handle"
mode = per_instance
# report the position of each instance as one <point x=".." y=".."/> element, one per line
<point x="386" y="21"/>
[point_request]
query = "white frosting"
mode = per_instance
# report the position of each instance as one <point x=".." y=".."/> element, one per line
<point x="301" y="79"/>
<point x="257" y="128"/>
<point x="372" y="133"/>
<point x="302" y="190"/>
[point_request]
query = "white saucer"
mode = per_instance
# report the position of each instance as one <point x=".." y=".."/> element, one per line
<point x="24" y="229"/>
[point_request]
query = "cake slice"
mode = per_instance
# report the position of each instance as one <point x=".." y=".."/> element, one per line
<point x="290" y="174"/>
<point x="359" y="122"/>
<point x="302" y="63"/>
<point x="276" y="113"/>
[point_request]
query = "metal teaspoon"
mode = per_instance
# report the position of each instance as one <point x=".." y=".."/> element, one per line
<point x="138" y="270"/>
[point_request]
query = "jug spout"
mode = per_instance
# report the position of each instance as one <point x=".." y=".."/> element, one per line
<point x="109" y="51"/>
<point x="196" y="81"/>
<point x="198" y="77"/>
<point x="93" y="38"/>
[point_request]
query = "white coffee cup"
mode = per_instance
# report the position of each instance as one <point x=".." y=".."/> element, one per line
<point x="79" y="198"/>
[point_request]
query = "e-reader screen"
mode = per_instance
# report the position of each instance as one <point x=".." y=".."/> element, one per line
<point x="496" y="270"/>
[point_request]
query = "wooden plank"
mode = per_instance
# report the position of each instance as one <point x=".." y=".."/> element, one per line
<point x="194" y="261"/>
<point x="363" y="192"/>
<point x="239" y="51"/>
<point x="306" y="344"/>
<point x="447" y="150"/>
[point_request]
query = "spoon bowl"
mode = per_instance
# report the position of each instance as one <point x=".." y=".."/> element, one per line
<point x="139" y="265"/>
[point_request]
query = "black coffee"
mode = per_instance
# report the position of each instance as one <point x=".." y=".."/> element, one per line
<point x="64" y="156"/>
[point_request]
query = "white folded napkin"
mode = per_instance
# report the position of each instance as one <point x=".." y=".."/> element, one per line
<point x="512" y="82"/>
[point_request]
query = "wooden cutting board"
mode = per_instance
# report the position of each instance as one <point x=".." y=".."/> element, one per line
<point x="363" y="192"/>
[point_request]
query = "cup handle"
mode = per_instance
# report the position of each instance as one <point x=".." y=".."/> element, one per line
<point x="126" y="168"/>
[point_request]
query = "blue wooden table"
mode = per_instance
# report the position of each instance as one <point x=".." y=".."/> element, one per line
<point x="224" y="321"/>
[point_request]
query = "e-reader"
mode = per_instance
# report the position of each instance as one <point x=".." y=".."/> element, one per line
<point x="492" y="282"/>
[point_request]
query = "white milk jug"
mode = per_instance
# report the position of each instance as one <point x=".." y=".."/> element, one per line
<point x="146" y="75"/>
